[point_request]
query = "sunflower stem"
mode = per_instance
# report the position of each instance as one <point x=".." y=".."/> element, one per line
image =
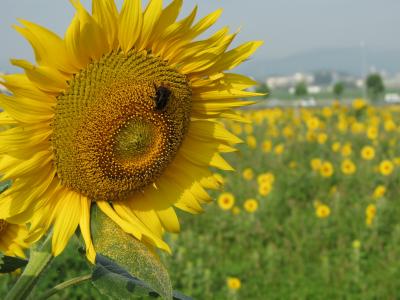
<point x="38" y="261"/>
<point x="64" y="285"/>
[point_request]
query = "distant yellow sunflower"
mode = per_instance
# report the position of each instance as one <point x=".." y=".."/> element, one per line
<point x="326" y="169"/>
<point x="12" y="239"/>
<point x="316" y="164"/>
<point x="233" y="283"/>
<point x="379" y="192"/>
<point x="368" y="153"/>
<point x="226" y="201"/>
<point x="123" y="112"/>
<point x="386" y="167"/>
<point x="322" y="211"/>
<point x="248" y="174"/>
<point x="250" y="205"/>
<point x="348" y="167"/>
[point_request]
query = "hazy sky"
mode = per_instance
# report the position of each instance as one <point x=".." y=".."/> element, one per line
<point x="286" y="26"/>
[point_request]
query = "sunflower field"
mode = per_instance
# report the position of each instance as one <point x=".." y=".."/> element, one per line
<point x="125" y="125"/>
<point x="310" y="213"/>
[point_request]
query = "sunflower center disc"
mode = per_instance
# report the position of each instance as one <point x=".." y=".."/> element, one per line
<point x="3" y="225"/>
<point x="119" y="125"/>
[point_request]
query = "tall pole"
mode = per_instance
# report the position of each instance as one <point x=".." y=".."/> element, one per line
<point x="364" y="68"/>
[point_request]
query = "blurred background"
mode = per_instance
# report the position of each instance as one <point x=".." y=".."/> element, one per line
<point x="314" y="49"/>
<point x="312" y="211"/>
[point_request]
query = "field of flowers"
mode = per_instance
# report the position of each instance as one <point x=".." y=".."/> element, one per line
<point x="312" y="212"/>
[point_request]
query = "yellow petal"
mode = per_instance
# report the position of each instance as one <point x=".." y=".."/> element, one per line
<point x="28" y="213"/>
<point x="167" y="17"/>
<point x="203" y="153"/>
<point x="201" y="94"/>
<point x="26" y="110"/>
<point x="14" y="168"/>
<point x="21" y="194"/>
<point x="169" y="190"/>
<point x="92" y="38"/>
<point x="77" y="54"/>
<point x="188" y="34"/>
<point x="45" y="78"/>
<point x="234" y="57"/>
<point x="127" y="216"/>
<point x="188" y="181"/>
<point x="6" y="119"/>
<point x="173" y="34"/>
<point x="49" y="48"/>
<point x="125" y="226"/>
<point x="68" y="212"/>
<point x="19" y="140"/>
<point x="21" y="86"/>
<point x="204" y="24"/>
<point x="130" y="24"/>
<point x="237" y="81"/>
<point x="207" y="130"/>
<point x="84" y="225"/>
<point x="150" y="19"/>
<point x="187" y="202"/>
<point x="106" y="15"/>
<point x="169" y="219"/>
<point x="197" y="47"/>
<point x="151" y="220"/>
<point x="44" y="218"/>
<point x="218" y="106"/>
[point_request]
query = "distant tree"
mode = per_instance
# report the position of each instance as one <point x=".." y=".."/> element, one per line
<point x="375" y="87"/>
<point x="301" y="89"/>
<point x="263" y="88"/>
<point x="323" y="78"/>
<point x="338" y="89"/>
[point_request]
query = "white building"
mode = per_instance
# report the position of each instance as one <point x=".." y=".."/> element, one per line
<point x="289" y="81"/>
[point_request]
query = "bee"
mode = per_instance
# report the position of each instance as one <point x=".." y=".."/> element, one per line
<point x="161" y="98"/>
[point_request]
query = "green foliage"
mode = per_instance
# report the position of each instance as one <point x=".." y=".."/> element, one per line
<point x="117" y="283"/>
<point x="111" y="280"/>
<point x="301" y="89"/>
<point x="130" y="254"/>
<point x="323" y="77"/>
<point x="9" y="264"/>
<point x="264" y="89"/>
<point x="375" y="86"/>
<point x="283" y="251"/>
<point x="338" y="89"/>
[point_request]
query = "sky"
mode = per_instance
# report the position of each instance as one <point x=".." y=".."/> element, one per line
<point x="287" y="26"/>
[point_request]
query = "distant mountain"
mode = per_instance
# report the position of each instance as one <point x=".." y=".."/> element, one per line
<point x="349" y="60"/>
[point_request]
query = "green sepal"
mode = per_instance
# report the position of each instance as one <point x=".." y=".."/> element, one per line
<point x="131" y="255"/>
<point x="111" y="280"/>
<point x="10" y="264"/>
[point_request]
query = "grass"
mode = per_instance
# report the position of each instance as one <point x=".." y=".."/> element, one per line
<point x="283" y="250"/>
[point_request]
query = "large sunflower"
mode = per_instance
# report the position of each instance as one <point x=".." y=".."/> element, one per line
<point x="123" y="112"/>
<point x="12" y="239"/>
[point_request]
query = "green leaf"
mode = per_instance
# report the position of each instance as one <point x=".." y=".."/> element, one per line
<point x="179" y="296"/>
<point x="130" y="254"/>
<point x="4" y="185"/>
<point x="113" y="281"/>
<point x="9" y="264"/>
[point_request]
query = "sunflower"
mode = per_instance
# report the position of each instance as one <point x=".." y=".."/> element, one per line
<point x="123" y="112"/>
<point x="226" y="201"/>
<point x="250" y="205"/>
<point x="12" y="239"/>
